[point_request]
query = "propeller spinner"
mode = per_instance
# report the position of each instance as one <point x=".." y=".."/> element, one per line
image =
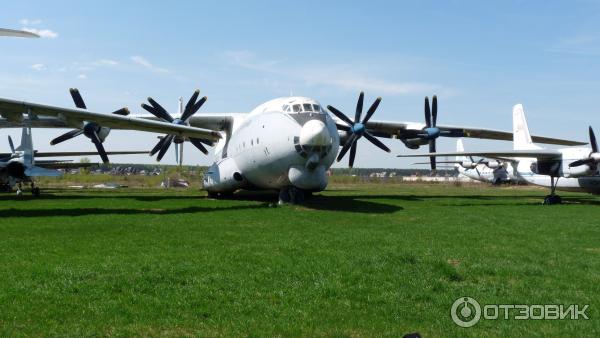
<point x="357" y="128"/>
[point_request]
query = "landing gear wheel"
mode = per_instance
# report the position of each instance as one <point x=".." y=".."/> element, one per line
<point x="284" y="196"/>
<point x="291" y="195"/>
<point x="35" y="191"/>
<point x="19" y="192"/>
<point x="552" y="199"/>
<point x="213" y="195"/>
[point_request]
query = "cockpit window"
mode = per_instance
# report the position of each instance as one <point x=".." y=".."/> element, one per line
<point x="307" y="107"/>
<point x="286" y="107"/>
<point x="297" y="108"/>
<point x="316" y="108"/>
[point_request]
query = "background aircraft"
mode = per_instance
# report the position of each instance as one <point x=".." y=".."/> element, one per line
<point x="19" y="166"/>
<point x="568" y="169"/>
<point x="17" y="33"/>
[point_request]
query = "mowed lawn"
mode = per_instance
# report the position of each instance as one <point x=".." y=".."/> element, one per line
<point x="357" y="261"/>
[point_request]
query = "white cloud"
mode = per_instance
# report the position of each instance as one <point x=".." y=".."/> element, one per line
<point x="82" y="76"/>
<point x="139" y="60"/>
<point x="338" y="76"/>
<point x="105" y="62"/>
<point x="44" y="33"/>
<point x="30" y="22"/>
<point x="38" y="66"/>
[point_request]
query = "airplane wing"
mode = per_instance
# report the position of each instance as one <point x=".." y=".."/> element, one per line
<point x="14" y="112"/>
<point x="16" y="33"/>
<point x="83" y="153"/>
<point x="540" y="154"/>
<point x="63" y="164"/>
<point x="407" y="130"/>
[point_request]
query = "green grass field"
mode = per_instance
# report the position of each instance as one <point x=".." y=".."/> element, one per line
<point x="355" y="261"/>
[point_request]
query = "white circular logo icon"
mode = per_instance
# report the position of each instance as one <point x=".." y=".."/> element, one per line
<point x="465" y="312"/>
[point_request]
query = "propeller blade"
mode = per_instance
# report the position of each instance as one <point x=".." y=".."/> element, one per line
<point x="340" y="115"/>
<point x="181" y="153"/>
<point x="432" y="159"/>
<point x="166" y="144"/>
<point x="346" y="146"/>
<point x="66" y="136"/>
<point x="98" y="143"/>
<point x="194" y="109"/>
<point x="342" y="127"/>
<point x="158" y="146"/>
<point x="376" y="141"/>
<point x="371" y="110"/>
<point x="359" y="107"/>
<point x="77" y="99"/>
<point x="159" y="111"/>
<point x="593" y="141"/>
<point x="582" y="162"/>
<point x="11" y="144"/>
<point x="352" y="155"/>
<point x="177" y="153"/>
<point x="191" y="102"/>
<point x="123" y="111"/>
<point x="434" y="111"/>
<point x="427" y="113"/>
<point x="198" y="144"/>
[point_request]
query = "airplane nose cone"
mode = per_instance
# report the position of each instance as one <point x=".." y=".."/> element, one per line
<point x="315" y="133"/>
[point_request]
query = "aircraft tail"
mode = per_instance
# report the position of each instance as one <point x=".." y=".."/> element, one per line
<point x="26" y="141"/>
<point x="521" y="136"/>
<point x="460" y="148"/>
<point x="35" y="171"/>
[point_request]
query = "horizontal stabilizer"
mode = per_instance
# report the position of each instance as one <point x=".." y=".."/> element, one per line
<point x="39" y="171"/>
<point x="86" y="153"/>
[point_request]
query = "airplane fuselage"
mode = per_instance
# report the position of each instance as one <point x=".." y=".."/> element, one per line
<point x="281" y="143"/>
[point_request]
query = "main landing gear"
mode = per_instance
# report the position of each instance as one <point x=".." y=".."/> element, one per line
<point x="552" y="198"/>
<point x="35" y="191"/>
<point x="293" y="195"/>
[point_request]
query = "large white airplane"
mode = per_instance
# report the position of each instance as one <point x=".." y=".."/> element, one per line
<point x="567" y="169"/>
<point x="20" y="166"/>
<point x="286" y="144"/>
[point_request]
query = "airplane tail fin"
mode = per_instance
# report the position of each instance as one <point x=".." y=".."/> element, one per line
<point x="460" y="148"/>
<point x="26" y="141"/>
<point x="521" y="136"/>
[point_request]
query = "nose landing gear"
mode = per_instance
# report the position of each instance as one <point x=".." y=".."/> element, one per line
<point x="552" y="198"/>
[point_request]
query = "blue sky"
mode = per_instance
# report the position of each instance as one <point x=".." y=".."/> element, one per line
<point x="480" y="57"/>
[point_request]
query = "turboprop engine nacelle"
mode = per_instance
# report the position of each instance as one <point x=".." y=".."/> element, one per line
<point x="468" y="164"/>
<point x="493" y="164"/>
<point x="415" y="143"/>
<point x="223" y="176"/>
<point x="583" y="170"/>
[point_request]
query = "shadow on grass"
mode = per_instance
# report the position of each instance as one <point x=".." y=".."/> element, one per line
<point x="116" y="211"/>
